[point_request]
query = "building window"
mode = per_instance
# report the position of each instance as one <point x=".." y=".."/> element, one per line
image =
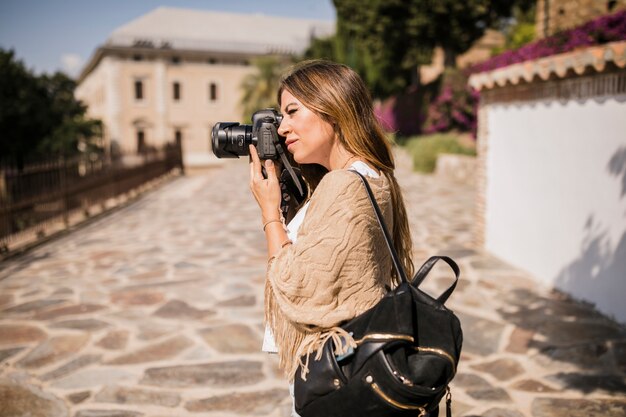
<point x="138" y="90"/>
<point x="141" y="141"/>
<point x="178" y="138"/>
<point x="176" y="90"/>
<point x="212" y="92"/>
<point x="175" y="60"/>
<point x="137" y="57"/>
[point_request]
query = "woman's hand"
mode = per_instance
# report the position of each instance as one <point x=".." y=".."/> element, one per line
<point x="265" y="191"/>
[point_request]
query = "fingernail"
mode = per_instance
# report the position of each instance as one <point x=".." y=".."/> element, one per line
<point x="268" y="163"/>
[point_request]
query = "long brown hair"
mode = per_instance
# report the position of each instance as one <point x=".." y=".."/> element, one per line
<point x="338" y="95"/>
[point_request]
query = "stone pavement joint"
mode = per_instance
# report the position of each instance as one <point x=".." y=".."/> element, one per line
<point x="157" y="310"/>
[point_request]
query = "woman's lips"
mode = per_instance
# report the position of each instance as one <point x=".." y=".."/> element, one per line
<point x="290" y="143"/>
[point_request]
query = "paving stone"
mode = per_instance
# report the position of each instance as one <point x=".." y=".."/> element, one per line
<point x="520" y="340"/>
<point x="68" y="311"/>
<point x="158" y="274"/>
<point x="489" y="394"/>
<point x="150" y="329"/>
<point x="458" y="253"/>
<point x="218" y="374"/>
<point x="24" y="400"/>
<point x="532" y="385"/>
<point x="560" y="332"/>
<point x="464" y="380"/>
<point x="240" y="301"/>
<point x="7" y="353"/>
<point x="199" y="353"/>
<point x="254" y="403"/>
<point x="574" y="407"/>
<point x="137" y="298"/>
<point x="501" y="412"/>
<point x="53" y="350"/>
<point x="125" y="395"/>
<point x="13" y="334"/>
<point x="114" y="340"/>
<point x="562" y="306"/>
<point x="487" y="262"/>
<point x="487" y="284"/>
<point x="63" y="291"/>
<point x="80" y="324"/>
<point x="177" y="309"/>
<point x="502" y="369"/>
<point x="108" y="413"/>
<point x="588" y="383"/>
<point x="71" y="366"/>
<point x="32" y="306"/>
<point x="88" y="378"/>
<point x="159" y="284"/>
<point x="78" y="397"/>
<point x="232" y="338"/>
<point x="5" y="300"/>
<point x="590" y="355"/>
<point x="480" y="336"/>
<point x="158" y="351"/>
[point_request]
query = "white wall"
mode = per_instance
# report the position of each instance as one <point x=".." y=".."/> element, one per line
<point x="556" y="195"/>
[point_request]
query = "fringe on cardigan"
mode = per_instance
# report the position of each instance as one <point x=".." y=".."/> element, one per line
<point x="296" y="342"/>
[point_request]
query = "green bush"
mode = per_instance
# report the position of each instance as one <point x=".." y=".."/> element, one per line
<point x="424" y="149"/>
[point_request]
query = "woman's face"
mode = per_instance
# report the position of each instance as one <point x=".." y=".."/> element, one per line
<point x="308" y="137"/>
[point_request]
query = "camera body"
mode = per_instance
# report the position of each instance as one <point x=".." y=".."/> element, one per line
<point x="231" y="140"/>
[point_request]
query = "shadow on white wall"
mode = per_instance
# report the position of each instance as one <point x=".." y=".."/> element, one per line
<point x="598" y="274"/>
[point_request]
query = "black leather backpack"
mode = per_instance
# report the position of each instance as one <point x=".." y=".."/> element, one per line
<point x="408" y="348"/>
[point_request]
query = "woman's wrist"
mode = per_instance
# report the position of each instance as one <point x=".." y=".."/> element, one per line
<point x="267" y="215"/>
<point x="267" y="223"/>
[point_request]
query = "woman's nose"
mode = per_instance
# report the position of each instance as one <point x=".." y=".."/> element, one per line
<point x="283" y="129"/>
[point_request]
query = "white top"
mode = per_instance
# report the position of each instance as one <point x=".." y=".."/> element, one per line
<point x="269" y="345"/>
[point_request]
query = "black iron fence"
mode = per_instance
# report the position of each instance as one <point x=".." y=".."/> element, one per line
<point x="41" y="198"/>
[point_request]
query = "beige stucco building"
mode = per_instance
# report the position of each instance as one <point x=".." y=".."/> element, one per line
<point x="169" y="75"/>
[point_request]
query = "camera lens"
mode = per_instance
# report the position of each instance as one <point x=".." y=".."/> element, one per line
<point x="231" y="140"/>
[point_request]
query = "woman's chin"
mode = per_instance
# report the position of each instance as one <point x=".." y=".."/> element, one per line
<point x="297" y="158"/>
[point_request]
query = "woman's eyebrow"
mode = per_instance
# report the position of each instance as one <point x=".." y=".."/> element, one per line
<point x="293" y="102"/>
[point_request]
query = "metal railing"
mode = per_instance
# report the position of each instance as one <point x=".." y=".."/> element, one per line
<point x="39" y="199"/>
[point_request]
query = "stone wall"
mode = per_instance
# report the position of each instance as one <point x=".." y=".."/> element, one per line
<point x="556" y="15"/>
<point x="457" y="168"/>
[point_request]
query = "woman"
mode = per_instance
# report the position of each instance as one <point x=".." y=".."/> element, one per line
<point x="330" y="263"/>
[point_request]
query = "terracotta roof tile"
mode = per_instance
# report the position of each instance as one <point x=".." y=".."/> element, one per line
<point x="594" y="58"/>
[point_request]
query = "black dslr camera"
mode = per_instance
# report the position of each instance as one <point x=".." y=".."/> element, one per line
<point x="231" y="140"/>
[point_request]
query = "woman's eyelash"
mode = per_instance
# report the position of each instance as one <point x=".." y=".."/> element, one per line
<point x="291" y="111"/>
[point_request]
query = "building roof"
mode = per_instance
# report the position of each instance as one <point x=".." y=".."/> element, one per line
<point x="578" y="62"/>
<point x="169" y="31"/>
<point x="220" y="32"/>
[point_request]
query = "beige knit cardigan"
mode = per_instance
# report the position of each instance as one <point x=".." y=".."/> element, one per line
<point x="337" y="269"/>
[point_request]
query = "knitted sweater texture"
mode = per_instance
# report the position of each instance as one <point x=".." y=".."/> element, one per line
<point x="337" y="269"/>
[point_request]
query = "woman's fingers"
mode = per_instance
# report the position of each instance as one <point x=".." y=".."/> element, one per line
<point x="257" y="173"/>
<point x="270" y="168"/>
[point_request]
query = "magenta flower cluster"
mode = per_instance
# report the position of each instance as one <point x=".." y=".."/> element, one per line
<point x="610" y="28"/>
<point x="453" y="110"/>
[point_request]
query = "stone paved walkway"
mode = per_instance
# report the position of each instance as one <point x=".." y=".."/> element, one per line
<point x="156" y="310"/>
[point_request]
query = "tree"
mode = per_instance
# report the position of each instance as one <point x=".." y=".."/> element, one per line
<point x="259" y="88"/>
<point x="71" y="131"/>
<point x="39" y="114"/>
<point x="23" y="103"/>
<point x="387" y="40"/>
